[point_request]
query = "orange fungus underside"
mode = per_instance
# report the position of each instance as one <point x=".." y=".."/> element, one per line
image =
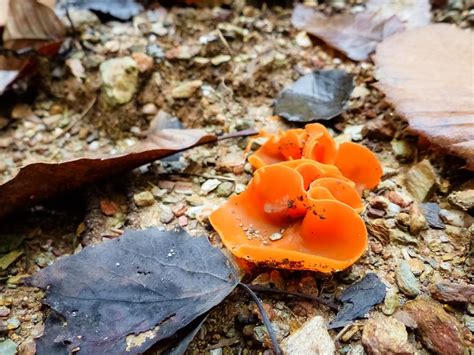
<point x="300" y="210"/>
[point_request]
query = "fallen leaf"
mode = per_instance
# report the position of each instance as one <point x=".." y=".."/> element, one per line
<point x="354" y="35"/>
<point x="320" y="95"/>
<point x="145" y="282"/>
<point x="120" y="9"/>
<point x="359" y="299"/>
<point x="426" y="74"/>
<point x="30" y="25"/>
<point x="412" y="13"/>
<point x="39" y="181"/>
<point x="4" y="4"/>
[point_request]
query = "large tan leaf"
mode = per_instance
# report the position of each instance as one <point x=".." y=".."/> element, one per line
<point x="357" y="35"/>
<point x="428" y="74"/>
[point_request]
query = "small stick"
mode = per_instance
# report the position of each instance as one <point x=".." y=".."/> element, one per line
<point x="265" y="318"/>
<point x="330" y="304"/>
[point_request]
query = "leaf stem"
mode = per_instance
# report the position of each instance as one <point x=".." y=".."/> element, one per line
<point x="265" y="318"/>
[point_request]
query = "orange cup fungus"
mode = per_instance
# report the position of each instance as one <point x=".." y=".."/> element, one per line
<point x="300" y="210"/>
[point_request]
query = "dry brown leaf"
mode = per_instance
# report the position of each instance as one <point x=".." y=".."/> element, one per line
<point x="38" y="181"/>
<point x="427" y="73"/>
<point x="357" y="35"/>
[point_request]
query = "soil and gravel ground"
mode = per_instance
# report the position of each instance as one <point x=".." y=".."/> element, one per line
<point x="220" y="69"/>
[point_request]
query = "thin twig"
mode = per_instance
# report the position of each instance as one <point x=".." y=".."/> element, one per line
<point x="330" y="304"/>
<point x="226" y="44"/>
<point x="75" y="122"/>
<point x="265" y="318"/>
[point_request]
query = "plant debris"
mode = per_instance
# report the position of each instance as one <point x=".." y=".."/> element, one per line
<point x="320" y="95"/>
<point x="359" y="299"/>
<point x="39" y="181"/>
<point x="405" y="64"/>
<point x="145" y="282"/>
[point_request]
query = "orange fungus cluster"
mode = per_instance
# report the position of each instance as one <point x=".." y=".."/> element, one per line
<point x="301" y="209"/>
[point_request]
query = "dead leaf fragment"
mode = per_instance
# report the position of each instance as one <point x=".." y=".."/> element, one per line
<point x="146" y="282"/>
<point x="413" y="13"/>
<point x="427" y="74"/>
<point x="354" y="35"/>
<point x="39" y="181"/>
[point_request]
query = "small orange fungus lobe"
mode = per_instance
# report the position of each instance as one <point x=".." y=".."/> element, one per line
<point x="354" y="161"/>
<point x="297" y="214"/>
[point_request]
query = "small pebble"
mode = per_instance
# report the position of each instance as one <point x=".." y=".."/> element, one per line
<point x="225" y="189"/>
<point x="144" y="198"/>
<point x="209" y="186"/>
<point x="276" y="236"/>
<point x="166" y="215"/>
<point x="4" y="311"/>
<point x="8" y="347"/>
<point x="149" y="109"/>
<point x="406" y="281"/>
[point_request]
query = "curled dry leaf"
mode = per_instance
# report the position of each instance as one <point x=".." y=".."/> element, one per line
<point x="38" y="181"/>
<point x="29" y="25"/>
<point x="427" y="74"/>
<point x="357" y="35"/>
<point x="125" y="295"/>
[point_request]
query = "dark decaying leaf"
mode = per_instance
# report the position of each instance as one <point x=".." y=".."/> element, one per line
<point x="426" y="73"/>
<point x="39" y="181"/>
<point x="354" y="35"/>
<point x="124" y="295"/>
<point x="320" y="95"/>
<point x="358" y="299"/>
<point x="431" y="212"/>
<point x="120" y="9"/>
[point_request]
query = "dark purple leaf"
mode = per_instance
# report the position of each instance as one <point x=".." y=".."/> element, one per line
<point x="150" y="283"/>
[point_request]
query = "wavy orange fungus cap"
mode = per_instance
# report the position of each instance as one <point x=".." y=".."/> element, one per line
<point x="354" y="161"/>
<point x="297" y="214"/>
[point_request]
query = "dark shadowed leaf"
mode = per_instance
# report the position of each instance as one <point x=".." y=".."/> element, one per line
<point x="124" y="295"/>
<point x="320" y="95"/>
<point x="426" y="73"/>
<point x="121" y="9"/>
<point x="358" y="299"/>
<point x="39" y="181"/>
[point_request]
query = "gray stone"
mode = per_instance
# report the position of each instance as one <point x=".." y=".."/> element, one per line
<point x="8" y="347"/>
<point x="225" y="189"/>
<point x="209" y="186"/>
<point x="119" y="80"/>
<point x="311" y="338"/>
<point x="407" y="282"/>
<point x="166" y="215"/>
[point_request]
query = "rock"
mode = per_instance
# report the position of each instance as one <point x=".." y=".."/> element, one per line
<point x="119" y="80"/>
<point x="4" y="311"/>
<point x="219" y="59"/>
<point x="386" y="335"/>
<point x="149" y="109"/>
<point x="8" y="347"/>
<point x="82" y="18"/>
<point x="379" y="128"/>
<point x="431" y="211"/>
<point x="360" y="91"/>
<point x="402" y="150"/>
<point x="406" y="281"/>
<point x="391" y="302"/>
<point x="209" y="186"/>
<point x="417" y="220"/>
<point x="225" y="189"/>
<point x="416" y="266"/>
<point x="439" y="331"/>
<point x="397" y="236"/>
<point x="463" y="199"/>
<point x="12" y="323"/>
<point x="155" y="51"/>
<point x="186" y="89"/>
<point x="357" y="349"/>
<point x="311" y="338"/>
<point x="399" y="199"/>
<point x="452" y="293"/>
<point x="144" y="199"/>
<point x="28" y="347"/>
<point x="453" y="217"/>
<point x="166" y="215"/>
<point x="302" y="39"/>
<point x="144" y="62"/>
<point x="468" y="322"/>
<point x="420" y="180"/>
